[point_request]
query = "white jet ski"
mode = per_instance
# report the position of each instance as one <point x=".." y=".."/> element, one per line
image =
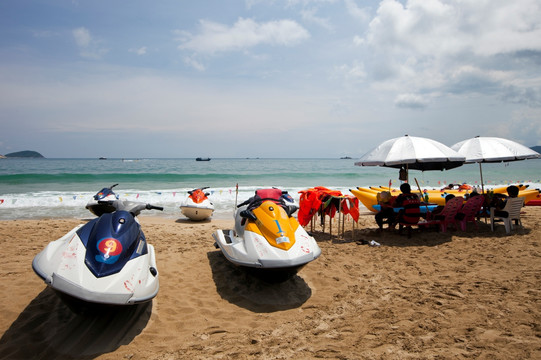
<point x="105" y="261"/>
<point x="197" y="206"/>
<point x="98" y="204"/>
<point x="267" y="237"/>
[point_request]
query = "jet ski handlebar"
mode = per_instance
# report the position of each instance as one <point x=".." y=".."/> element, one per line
<point x="152" y="207"/>
<point x="203" y="188"/>
<point x="134" y="207"/>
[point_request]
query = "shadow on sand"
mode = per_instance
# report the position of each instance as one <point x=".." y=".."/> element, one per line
<point x="420" y="236"/>
<point x="48" y="329"/>
<point x="189" y="221"/>
<point x="242" y="288"/>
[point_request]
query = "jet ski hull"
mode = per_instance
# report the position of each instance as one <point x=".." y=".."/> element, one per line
<point x="196" y="213"/>
<point x="197" y="206"/>
<point x="62" y="266"/>
<point x="253" y="253"/>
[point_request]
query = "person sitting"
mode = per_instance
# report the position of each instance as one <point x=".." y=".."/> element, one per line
<point x="512" y="191"/>
<point x="386" y="213"/>
<point x="448" y="187"/>
<point x="435" y="214"/>
<point x="410" y="202"/>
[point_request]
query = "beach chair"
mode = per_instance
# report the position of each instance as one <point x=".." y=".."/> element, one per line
<point x="470" y="211"/>
<point x="512" y="207"/>
<point x="448" y="215"/>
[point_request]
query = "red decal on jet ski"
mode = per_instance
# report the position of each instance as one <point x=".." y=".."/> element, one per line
<point x="110" y="250"/>
<point x="110" y="247"/>
<point x="128" y="285"/>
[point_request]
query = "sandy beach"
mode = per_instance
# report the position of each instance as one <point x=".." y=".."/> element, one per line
<point x="454" y="295"/>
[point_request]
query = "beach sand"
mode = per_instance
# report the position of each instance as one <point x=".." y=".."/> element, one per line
<point x="454" y="295"/>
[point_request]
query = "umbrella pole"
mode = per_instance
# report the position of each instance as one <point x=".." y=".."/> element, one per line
<point x="482" y="186"/>
<point x="407" y="173"/>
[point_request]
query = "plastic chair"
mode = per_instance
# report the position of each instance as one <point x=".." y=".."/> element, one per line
<point x="470" y="210"/>
<point x="448" y="214"/>
<point x="512" y="207"/>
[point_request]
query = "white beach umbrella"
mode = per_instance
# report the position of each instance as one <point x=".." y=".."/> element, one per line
<point x="412" y="152"/>
<point x="492" y="149"/>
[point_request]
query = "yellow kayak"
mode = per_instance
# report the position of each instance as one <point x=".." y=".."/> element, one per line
<point x="368" y="196"/>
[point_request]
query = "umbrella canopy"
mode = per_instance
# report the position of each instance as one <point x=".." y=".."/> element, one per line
<point x="492" y="149"/>
<point x="412" y="153"/>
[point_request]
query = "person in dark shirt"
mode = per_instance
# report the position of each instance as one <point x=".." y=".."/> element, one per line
<point x="512" y="191"/>
<point x="410" y="202"/>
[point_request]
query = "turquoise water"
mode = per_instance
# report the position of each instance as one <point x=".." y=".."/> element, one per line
<point x="38" y="188"/>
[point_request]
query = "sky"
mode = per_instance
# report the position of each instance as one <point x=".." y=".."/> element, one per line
<point x="264" y="78"/>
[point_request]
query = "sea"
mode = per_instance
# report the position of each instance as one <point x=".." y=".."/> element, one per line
<point x="32" y="188"/>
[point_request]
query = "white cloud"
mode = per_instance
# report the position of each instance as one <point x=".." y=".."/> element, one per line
<point x="88" y="46"/>
<point x="310" y="16"/>
<point x="82" y="37"/>
<point x="456" y="46"/>
<point x="412" y="101"/>
<point x="356" y="11"/>
<point x="139" y="51"/>
<point x="194" y="63"/>
<point x="245" y="33"/>
<point x="354" y="72"/>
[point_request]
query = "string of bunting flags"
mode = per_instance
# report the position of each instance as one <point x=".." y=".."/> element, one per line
<point x="230" y="191"/>
<point x="75" y="197"/>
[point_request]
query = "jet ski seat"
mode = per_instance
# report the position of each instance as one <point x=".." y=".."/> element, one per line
<point x="273" y="193"/>
<point x="261" y="195"/>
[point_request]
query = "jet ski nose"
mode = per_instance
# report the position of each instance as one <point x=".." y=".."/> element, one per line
<point x="282" y="239"/>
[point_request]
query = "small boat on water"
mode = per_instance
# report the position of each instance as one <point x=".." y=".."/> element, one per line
<point x="202" y="159"/>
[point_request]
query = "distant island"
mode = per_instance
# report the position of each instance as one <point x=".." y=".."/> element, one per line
<point x="536" y="148"/>
<point x="24" y="154"/>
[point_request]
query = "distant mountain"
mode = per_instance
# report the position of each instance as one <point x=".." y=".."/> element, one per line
<point x="24" y="154"/>
<point x="536" y="148"/>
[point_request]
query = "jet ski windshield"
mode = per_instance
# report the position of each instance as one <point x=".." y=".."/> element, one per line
<point x="103" y="193"/>
<point x="111" y="241"/>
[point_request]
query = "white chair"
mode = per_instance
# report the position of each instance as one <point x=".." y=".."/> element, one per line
<point x="513" y="207"/>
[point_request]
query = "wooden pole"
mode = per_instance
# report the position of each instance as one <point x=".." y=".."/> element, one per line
<point x="421" y="191"/>
<point x="339" y="214"/>
<point x="343" y="224"/>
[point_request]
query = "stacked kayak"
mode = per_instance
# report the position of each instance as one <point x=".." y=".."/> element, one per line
<point x="535" y="201"/>
<point x="368" y="195"/>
